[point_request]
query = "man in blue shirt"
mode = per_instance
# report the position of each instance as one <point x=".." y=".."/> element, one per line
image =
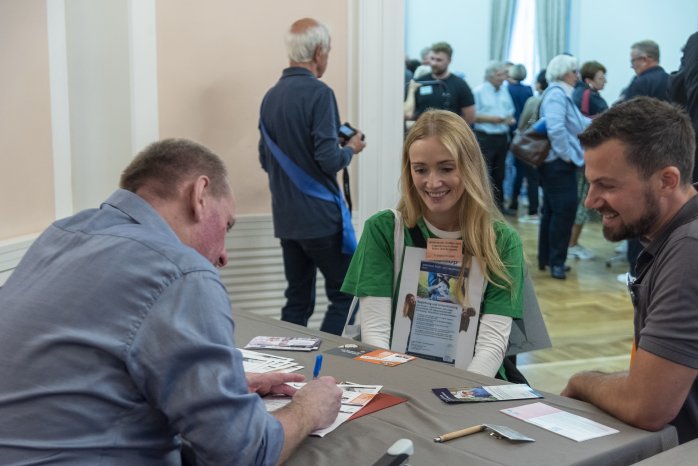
<point x="117" y="342"/>
<point x="300" y="116"/>
<point x="494" y="113"/>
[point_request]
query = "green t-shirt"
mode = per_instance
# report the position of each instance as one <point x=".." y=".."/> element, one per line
<point x="371" y="270"/>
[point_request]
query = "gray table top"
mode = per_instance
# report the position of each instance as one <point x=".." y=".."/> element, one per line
<point x="424" y="416"/>
<point x="683" y="455"/>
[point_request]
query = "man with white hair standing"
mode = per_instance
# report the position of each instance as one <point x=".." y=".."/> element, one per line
<point x="300" y="151"/>
<point x="494" y="113"/>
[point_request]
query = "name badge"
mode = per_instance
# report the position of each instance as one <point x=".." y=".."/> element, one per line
<point x="426" y="90"/>
<point x="444" y="250"/>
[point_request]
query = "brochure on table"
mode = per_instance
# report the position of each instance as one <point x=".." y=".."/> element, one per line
<point x="374" y="356"/>
<point x="307" y="343"/>
<point x="437" y="326"/>
<point x="486" y="393"/>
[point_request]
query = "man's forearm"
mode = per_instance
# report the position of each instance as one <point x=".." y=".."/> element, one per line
<point x="468" y="114"/>
<point x="297" y="425"/>
<point x="612" y="393"/>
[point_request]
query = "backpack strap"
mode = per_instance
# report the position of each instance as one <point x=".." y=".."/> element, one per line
<point x="585" y="101"/>
<point x="417" y="237"/>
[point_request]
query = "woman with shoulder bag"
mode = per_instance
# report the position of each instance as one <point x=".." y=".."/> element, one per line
<point x="558" y="174"/>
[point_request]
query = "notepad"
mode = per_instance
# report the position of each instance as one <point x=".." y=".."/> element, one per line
<point x="568" y="425"/>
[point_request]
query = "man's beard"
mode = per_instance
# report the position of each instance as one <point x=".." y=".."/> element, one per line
<point x="639" y="227"/>
<point x="438" y="70"/>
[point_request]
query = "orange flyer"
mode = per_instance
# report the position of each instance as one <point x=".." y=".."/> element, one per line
<point x="450" y="250"/>
<point x="385" y="357"/>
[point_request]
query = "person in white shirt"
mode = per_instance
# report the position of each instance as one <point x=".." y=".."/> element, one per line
<point x="494" y="113"/>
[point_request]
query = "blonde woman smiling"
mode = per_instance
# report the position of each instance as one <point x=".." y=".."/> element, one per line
<point x="445" y="193"/>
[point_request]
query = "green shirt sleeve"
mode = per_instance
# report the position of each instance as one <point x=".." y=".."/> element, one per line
<point x="371" y="270"/>
<point x="507" y="301"/>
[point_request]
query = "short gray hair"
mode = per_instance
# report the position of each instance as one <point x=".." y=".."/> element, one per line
<point x="560" y="66"/>
<point x="517" y="72"/>
<point x="493" y="67"/>
<point x="300" y="47"/>
<point x="164" y="165"/>
<point x="648" y="48"/>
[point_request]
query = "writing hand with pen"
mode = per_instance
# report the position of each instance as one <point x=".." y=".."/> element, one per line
<point x="317" y="403"/>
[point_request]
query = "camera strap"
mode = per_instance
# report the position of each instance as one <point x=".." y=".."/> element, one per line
<point x="347" y="187"/>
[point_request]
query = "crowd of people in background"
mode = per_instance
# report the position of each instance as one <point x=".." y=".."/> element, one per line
<point x="553" y="193"/>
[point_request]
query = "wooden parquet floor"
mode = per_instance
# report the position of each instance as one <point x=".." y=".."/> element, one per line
<point x="589" y="315"/>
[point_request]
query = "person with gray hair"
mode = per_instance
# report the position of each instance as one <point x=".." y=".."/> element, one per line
<point x="519" y="93"/>
<point x="652" y="81"/>
<point x="517" y="72"/>
<point x="301" y="44"/>
<point x="494" y="113"/>
<point x="301" y="151"/>
<point x="558" y="173"/>
<point x="118" y="340"/>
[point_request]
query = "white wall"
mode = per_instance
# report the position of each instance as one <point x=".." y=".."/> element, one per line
<point x="465" y="24"/>
<point x="98" y="83"/>
<point x="604" y="30"/>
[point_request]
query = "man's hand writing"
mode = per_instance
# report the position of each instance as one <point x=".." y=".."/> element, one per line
<point x="320" y="398"/>
<point x="272" y="383"/>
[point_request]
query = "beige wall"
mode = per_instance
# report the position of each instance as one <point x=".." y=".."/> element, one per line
<point x="215" y="61"/>
<point x="217" y="58"/>
<point x="26" y="170"/>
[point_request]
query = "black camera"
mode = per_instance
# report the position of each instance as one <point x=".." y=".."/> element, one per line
<point x="346" y="132"/>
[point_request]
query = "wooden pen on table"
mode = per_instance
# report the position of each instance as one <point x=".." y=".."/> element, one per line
<point x="459" y="433"/>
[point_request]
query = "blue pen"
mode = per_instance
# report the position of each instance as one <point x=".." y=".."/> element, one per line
<point x="318" y="366"/>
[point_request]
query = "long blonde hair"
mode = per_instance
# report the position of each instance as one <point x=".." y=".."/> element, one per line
<point x="477" y="210"/>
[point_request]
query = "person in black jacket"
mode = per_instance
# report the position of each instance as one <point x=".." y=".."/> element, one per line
<point x="683" y="86"/>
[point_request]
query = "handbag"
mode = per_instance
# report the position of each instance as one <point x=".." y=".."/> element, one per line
<point x="530" y="145"/>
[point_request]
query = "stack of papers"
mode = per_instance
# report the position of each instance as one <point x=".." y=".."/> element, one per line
<point x="285" y="343"/>
<point x="354" y="397"/>
<point x="253" y="361"/>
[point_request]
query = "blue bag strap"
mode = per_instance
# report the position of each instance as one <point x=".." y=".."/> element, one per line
<point x="311" y="187"/>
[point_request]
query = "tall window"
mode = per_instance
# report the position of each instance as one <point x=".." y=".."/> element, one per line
<point x="523" y="39"/>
